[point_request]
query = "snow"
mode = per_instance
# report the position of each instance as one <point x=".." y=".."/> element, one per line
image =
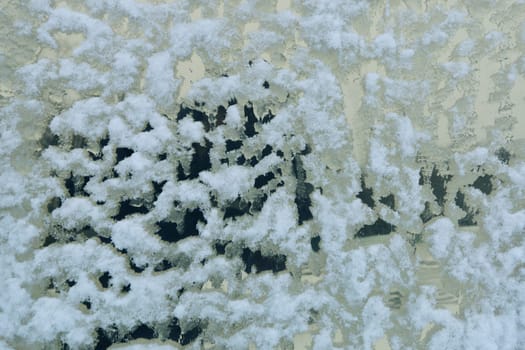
<point x="161" y="84"/>
<point x="385" y="44"/>
<point x="81" y="76"/>
<point x="465" y="47"/>
<point x="375" y="317"/>
<point x="228" y="182"/>
<point x="193" y="131"/>
<point x="87" y="118"/>
<point x="35" y="75"/>
<point x="442" y="233"/>
<point x="131" y="235"/>
<point x="457" y="69"/>
<point x="367" y="100"/>
<point x="77" y="213"/>
<point x="233" y="116"/>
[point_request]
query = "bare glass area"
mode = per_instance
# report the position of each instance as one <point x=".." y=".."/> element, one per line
<point x="262" y="174"/>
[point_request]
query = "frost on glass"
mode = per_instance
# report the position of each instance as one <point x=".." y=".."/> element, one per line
<point x="262" y="174"/>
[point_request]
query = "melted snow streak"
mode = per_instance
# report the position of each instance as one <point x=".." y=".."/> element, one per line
<point x="262" y="175"/>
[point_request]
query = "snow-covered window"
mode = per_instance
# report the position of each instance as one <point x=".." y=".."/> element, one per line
<point x="262" y="174"/>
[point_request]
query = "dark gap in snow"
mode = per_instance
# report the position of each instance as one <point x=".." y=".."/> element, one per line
<point x="220" y="116"/>
<point x="483" y="183"/>
<point x="157" y="188"/>
<point x="162" y="156"/>
<point x="268" y="117"/>
<point x="103" y="142"/>
<point x="128" y="208"/>
<point x="200" y="116"/>
<point x="213" y="201"/>
<point x="123" y="153"/>
<point x="95" y="156"/>
<point x="238" y="207"/>
<point x="106" y="337"/>
<point x="315" y="243"/>
<point x="439" y="185"/>
<point x="366" y="194"/>
<point x="126" y="288"/>
<point x="174" y="330"/>
<point x="253" y="161"/>
<point x="183" y="112"/>
<point x="105" y="240"/>
<point x="190" y="335"/>
<point x="298" y="169"/>
<point x="141" y="332"/>
<point x="164" y="265"/>
<point x="233" y="145"/>
<point x="200" y="160"/>
<point x="225" y="161"/>
<point x="220" y="247"/>
<point x="70" y="283"/>
<point x="181" y="174"/>
<point x="395" y="300"/>
<point x="266" y="85"/>
<point x="262" y="263"/>
<point x="232" y="101"/>
<point x="251" y="119"/>
<point x="136" y="268"/>
<point x="51" y="284"/>
<point x="468" y="219"/>
<point x="279" y="153"/>
<point x="306" y="150"/>
<point x="86" y="303"/>
<point x="258" y="203"/>
<point x="168" y="231"/>
<point x="378" y="228"/>
<point x="78" y="141"/>
<point x="49" y="240"/>
<point x="88" y="231"/>
<point x="503" y="155"/>
<point x="303" y="202"/>
<point x="422" y="178"/>
<point x="75" y="184"/>
<point x="263" y="180"/>
<point x="65" y="346"/>
<point x="104" y="279"/>
<point x="147" y="128"/>
<point x="267" y="150"/>
<point x="303" y="190"/>
<point x="427" y="214"/>
<point x="241" y="159"/>
<point x="460" y="200"/>
<point x="48" y="139"/>
<point x="53" y="204"/>
<point x="98" y="155"/>
<point x="389" y="201"/>
<point x="123" y="251"/>
<point x="191" y="219"/>
<point x="114" y="174"/>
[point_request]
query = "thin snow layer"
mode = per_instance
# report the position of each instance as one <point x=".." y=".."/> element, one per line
<point x="340" y="175"/>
